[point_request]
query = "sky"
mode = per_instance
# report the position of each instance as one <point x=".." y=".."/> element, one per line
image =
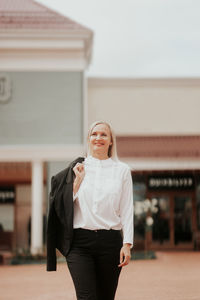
<point x="139" y="38"/>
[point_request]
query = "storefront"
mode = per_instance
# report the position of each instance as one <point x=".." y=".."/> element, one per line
<point x="166" y="186"/>
<point x="16" y="205"/>
<point x="172" y="200"/>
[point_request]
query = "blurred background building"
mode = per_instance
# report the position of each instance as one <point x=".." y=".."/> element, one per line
<point x="157" y="126"/>
<point x="43" y="57"/>
<point x="46" y="104"/>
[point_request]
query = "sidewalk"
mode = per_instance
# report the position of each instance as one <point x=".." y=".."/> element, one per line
<point x="172" y="276"/>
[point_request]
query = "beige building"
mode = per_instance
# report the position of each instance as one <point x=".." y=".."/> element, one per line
<point x="47" y="103"/>
<point x="158" y="134"/>
<point x="43" y="114"/>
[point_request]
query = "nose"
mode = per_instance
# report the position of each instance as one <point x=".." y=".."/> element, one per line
<point x="98" y="137"/>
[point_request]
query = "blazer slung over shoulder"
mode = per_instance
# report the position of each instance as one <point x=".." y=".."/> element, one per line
<point x="60" y="215"/>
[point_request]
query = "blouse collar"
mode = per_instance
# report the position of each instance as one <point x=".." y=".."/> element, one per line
<point x="101" y="162"/>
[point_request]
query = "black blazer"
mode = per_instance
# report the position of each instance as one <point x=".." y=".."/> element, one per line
<point x="60" y="216"/>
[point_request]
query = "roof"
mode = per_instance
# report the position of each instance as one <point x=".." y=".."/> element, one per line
<point x="159" y="146"/>
<point x="28" y="14"/>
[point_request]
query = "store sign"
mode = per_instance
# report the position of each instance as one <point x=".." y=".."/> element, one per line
<point x="180" y="182"/>
<point x="7" y="194"/>
<point x="5" y="88"/>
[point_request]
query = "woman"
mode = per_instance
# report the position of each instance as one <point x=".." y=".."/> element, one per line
<point x="102" y="207"/>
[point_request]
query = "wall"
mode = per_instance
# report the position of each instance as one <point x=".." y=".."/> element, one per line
<point x="45" y="108"/>
<point x="146" y="106"/>
<point x="23" y="213"/>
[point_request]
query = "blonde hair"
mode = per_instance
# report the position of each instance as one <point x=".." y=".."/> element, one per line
<point x="112" y="150"/>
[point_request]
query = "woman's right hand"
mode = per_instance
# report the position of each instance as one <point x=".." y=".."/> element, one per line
<point x="79" y="172"/>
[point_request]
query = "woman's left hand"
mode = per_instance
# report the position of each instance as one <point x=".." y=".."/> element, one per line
<point x="125" y="255"/>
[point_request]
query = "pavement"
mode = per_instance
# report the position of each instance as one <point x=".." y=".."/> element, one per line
<point x="172" y="276"/>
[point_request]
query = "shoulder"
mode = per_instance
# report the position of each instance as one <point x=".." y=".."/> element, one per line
<point x="61" y="174"/>
<point x="123" y="166"/>
<point x="123" y="169"/>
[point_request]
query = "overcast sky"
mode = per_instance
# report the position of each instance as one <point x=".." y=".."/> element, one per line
<point x="139" y="38"/>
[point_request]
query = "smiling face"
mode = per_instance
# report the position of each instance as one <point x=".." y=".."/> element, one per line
<point x="100" y="141"/>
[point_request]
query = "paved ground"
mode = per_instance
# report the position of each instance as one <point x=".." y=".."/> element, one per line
<point x="172" y="276"/>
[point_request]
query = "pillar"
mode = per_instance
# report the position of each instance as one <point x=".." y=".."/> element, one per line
<point x="37" y="208"/>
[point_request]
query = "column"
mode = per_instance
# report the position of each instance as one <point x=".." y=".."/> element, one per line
<point x="37" y="208"/>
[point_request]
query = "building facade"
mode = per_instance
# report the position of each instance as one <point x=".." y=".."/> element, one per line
<point x="157" y="128"/>
<point x="43" y="114"/>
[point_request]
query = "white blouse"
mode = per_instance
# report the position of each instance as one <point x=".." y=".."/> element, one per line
<point x="105" y="197"/>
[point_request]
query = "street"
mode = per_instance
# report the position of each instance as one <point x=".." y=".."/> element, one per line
<point x="172" y="276"/>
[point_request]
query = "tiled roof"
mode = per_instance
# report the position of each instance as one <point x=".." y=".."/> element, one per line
<point x="159" y="146"/>
<point x="28" y="14"/>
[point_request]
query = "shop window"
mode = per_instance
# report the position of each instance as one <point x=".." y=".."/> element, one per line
<point x="6" y="217"/>
<point x="182" y="219"/>
<point x="198" y="205"/>
<point x="161" y="217"/>
<point x="139" y="194"/>
<point x="7" y="198"/>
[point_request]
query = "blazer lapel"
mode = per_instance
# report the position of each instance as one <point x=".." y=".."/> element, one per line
<point x="68" y="195"/>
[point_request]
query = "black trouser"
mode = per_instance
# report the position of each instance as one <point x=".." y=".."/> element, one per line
<point x="93" y="263"/>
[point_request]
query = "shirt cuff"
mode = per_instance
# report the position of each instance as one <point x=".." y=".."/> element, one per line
<point x="75" y="196"/>
<point x="128" y="242"/>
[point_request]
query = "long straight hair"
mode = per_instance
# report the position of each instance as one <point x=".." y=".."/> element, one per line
<point x="112" y="150"/>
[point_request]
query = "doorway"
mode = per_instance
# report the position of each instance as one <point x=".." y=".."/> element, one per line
<point x="173" y="220"/>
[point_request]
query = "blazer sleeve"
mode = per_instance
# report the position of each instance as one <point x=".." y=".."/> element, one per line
<point x="51" y="229"/>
